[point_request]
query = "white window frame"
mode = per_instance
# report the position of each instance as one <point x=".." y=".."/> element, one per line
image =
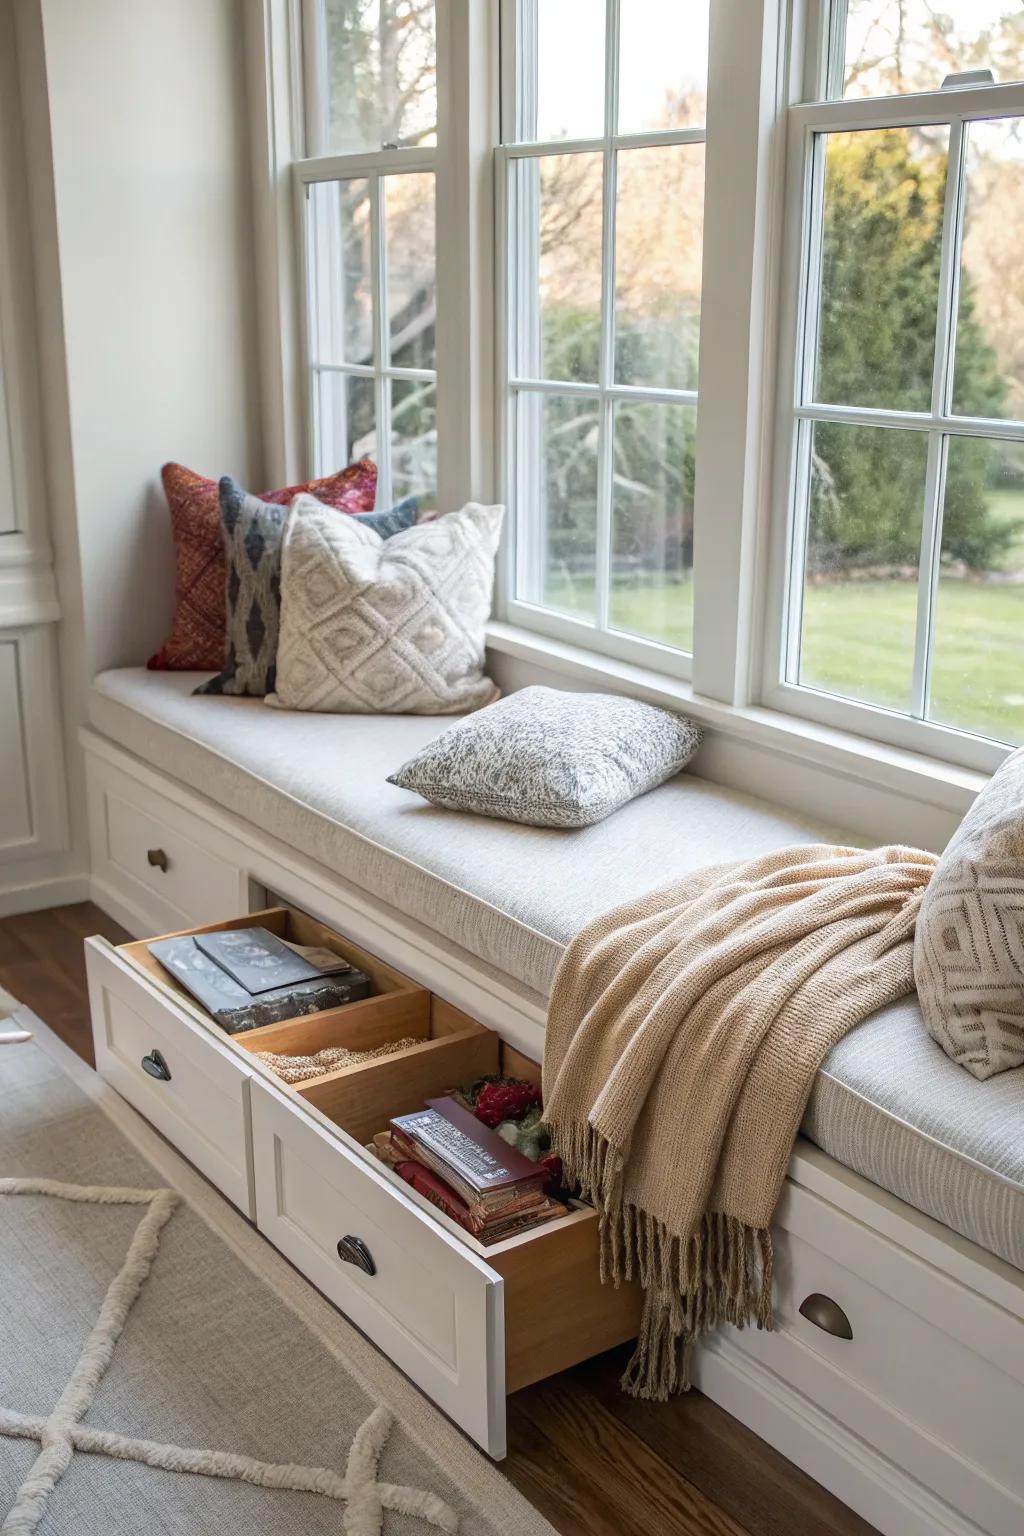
<point x="796" y="412"/>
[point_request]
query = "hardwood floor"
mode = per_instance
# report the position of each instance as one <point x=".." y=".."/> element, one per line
<point x="595" y="1462"/>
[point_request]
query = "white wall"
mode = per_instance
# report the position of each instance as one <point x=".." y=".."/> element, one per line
<point x="152" y="195"/>
<point x="130" y="207"/>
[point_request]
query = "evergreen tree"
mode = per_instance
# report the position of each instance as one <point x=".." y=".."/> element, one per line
<point x="880" y="275"/>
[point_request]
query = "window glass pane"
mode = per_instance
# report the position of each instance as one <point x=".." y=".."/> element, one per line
<point x="652" y="522"/>
<point x="340" y="267"/>
<point x="566" y="99"/>
<point x="556" y="222"/>
<point x="659" y="230"/>
<point x="663" y="65"/>
<point x="414" y="442"/>
<point x="381" y="73"/>
<point x="411" y="281"/>
<point x="989" y="370"/>
<point x="556" y="480"/>
<point x="345" y="415"/>
<point x="977" y="679"/>
<point x="893" y="46"/>
<point x="881" y="247"/>
<point x="863" y="547"/>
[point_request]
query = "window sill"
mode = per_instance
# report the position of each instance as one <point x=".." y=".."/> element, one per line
<point x="854" y="758"/>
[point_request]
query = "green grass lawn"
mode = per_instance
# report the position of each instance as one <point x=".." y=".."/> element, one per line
<point x="859" y="641"/>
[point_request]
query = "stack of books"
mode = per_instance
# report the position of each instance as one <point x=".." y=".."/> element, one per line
<point x="246" y="977"/>
<point x="469" y="1171"/>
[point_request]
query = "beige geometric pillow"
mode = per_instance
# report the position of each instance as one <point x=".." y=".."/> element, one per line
<point x="385" y="626"/>
<point x="969" y="946"/>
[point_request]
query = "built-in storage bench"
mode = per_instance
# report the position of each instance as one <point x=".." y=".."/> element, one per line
<point x="467" y="1323"/>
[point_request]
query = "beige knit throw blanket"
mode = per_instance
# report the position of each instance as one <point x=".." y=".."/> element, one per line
<point x="684" y="1035"/>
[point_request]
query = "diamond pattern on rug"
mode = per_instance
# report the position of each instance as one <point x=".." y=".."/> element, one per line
<point x="61" y="1433"/>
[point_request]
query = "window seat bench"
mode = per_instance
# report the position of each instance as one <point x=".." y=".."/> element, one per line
<point x="888" y="1103"/>
<point x="895" y="1373"/>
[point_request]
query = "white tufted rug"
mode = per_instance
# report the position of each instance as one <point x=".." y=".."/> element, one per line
<point x="161" y="1368"/>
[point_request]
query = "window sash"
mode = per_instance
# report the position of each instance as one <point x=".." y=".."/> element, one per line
<point x="525" y="542"/>
<point x="372" y="167"/>
<point x="797" y="410"/>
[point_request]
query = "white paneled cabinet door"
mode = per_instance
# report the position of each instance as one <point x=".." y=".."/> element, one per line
<point x="33" y="807"/>
<point x="15" y="803"/>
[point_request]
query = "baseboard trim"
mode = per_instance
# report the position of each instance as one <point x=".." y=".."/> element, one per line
<point x="857" y="1474"/>
<point x="60" y="891"/>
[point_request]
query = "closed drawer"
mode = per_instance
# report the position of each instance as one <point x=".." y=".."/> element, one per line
<point x="202" y="1106"/>
<point x="150" y="850"/>
<point x="432" y="1305"/>
<point x="900" y="1373"/>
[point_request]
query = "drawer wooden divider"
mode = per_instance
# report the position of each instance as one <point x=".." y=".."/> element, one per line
<point x="363" y="1099"/>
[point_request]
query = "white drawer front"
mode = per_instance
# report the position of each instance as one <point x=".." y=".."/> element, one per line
<point x="189" y="882"/>
<point x="897" y="1376"/>
<point x="433" y="1306"/>
<point x="204" y="1107"/>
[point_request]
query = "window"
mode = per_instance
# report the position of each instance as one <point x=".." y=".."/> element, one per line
<point x="905" y="445"/>
<point x="835" y="527"/>
<point x="368" y="235"/>
<point x="883" y="47"/>
<point x="602" y="175"/>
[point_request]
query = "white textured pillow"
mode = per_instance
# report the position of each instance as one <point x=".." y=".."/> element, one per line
<point x="551" y="759"/>
<point x="385" y="626"/>
<point x="969" y="943"/>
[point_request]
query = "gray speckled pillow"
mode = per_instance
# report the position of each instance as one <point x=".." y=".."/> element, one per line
<point x="969" y="943"/>
<point x="551" y="759"/>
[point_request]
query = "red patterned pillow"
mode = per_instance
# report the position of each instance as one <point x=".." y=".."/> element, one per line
<point x="196" y="641"/>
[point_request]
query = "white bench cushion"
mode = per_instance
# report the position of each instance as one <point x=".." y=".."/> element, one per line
<point x="888" y="1103"/>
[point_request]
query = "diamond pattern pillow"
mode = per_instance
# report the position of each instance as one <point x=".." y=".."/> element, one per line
<point x="196" y="641"/>
<point x="253" y="531"/>
<point x="551" y="759"/>
<point x="370" y="626"/>
<point x="969" y="943"/>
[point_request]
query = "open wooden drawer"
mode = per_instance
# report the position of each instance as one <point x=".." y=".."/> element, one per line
<point x="164" y="1054"/>
<point x="467" y="1323"/>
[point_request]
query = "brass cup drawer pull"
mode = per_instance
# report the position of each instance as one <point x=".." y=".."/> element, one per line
<point x="155" y="1065"/>
<point x="352" y="1250"/>
<point x="158" y="859"/>
<point x="827" y="1315"/>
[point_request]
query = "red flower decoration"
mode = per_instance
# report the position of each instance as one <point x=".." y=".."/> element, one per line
<point x="504" y="1101"/>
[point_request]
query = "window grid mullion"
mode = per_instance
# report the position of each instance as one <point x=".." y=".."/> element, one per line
<point x="635" y="392"/>
<point x="835" y="23"/>
<point x="942" y="375"/>
<point x="606" y="361"/>
<point x="367" y="371"/>
<point x="1007" y="427"/>
<point x="928" y="577"/>
<point x="794" y="601"/>
<point x="660" y="138"/>
<point x="949" y="268"/>
<point x="381" y="347"/>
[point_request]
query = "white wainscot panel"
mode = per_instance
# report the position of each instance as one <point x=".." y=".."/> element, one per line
<point x="33" y="803"/>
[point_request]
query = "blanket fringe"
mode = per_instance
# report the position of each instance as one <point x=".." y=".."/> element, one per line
<point x="719" y="1273"/>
